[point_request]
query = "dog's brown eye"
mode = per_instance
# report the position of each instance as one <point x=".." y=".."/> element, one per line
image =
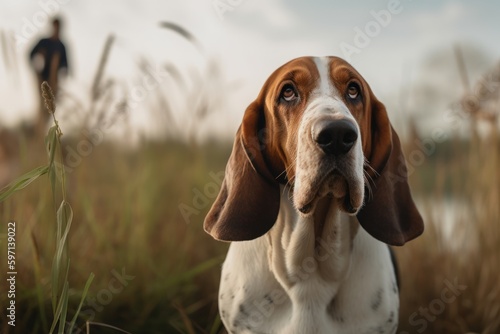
<point x="288" y="93"/>
<point x="353" y="91"/>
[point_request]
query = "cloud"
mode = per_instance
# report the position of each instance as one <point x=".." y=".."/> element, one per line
<point x="447" y="17"/>
<point x="275" y="14"/>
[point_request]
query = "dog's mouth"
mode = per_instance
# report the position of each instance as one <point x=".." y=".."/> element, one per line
<point x="345" y="190"/>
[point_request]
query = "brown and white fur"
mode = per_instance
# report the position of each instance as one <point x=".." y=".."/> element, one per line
<point x="314" y="159"/>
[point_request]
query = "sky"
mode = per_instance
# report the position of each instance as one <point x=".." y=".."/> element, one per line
<point x="389" y="42"/>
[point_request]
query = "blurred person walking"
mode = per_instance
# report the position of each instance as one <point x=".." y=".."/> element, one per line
<point x="48" y="59"/>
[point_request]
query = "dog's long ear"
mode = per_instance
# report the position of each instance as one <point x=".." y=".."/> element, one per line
<point x="248" y="203"/>
<point x="389" y="213"/>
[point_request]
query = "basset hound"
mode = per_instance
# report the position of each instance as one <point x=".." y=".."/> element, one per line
<point x="314" y="159"/>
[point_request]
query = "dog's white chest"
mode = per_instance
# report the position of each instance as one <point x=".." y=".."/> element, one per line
<point x="252" y="300"/>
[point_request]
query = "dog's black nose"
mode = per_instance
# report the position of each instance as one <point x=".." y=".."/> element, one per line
<point x="335" y="137"/>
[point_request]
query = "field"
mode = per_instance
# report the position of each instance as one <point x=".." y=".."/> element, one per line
<point x="137" y="227"/>
<point x="127" y="222"/>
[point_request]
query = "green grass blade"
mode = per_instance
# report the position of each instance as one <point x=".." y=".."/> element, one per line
<point x="63" y="301"/>
<point x="22" y="182"/>
<point x="64" y="308"/>
<point x="51" y="143"/>
<point x="38" y="284"/>
<point x="51" y="146"/>
<point x="98" y="324"/>
<point x="200" y="268"/>
<point x="216" y="325"/>
<point x="59" y="309"/>
<point x="64" y="218"/>
<point x="84" y="294"/>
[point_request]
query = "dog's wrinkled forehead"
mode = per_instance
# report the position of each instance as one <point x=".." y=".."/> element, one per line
<point x="310" y="86"/>
<point x="302" y="72"/>
<point x="311" y="76"/>
<point x="311" y="83"/>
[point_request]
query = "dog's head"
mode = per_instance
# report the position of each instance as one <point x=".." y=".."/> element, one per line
<point x="316" y="126"/>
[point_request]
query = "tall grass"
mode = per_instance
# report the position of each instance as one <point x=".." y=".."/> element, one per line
<point x="462" y="177"/>
<point x="126" y="206"/>
<point x="460" y="183"/>
<point x="124" y="221"/>
<point x="129" y="222"/>
<point x="64" y="215"/>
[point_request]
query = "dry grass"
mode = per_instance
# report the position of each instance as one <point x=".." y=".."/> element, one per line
<point x="466" y="176"/>
<point x="126" y="218"/>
